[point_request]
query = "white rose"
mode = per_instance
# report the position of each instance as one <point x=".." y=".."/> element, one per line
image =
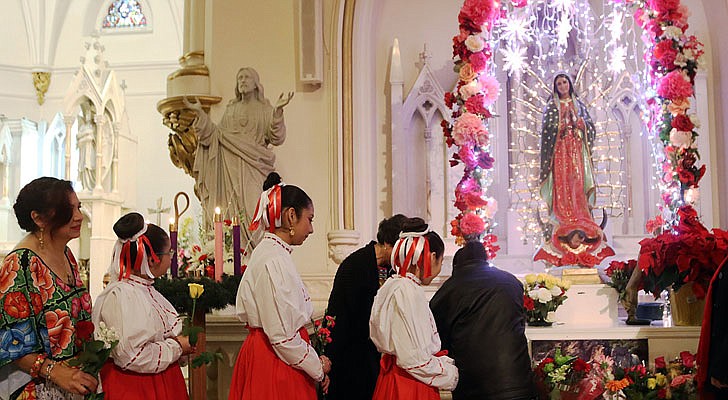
<point x="544" y="295"/>
<point x="474" y="43"/>
<point x="533" y="294"/>
<point x="551" y="316"/>
<point x="672" y="32"/>
<point x="556" y="291"/>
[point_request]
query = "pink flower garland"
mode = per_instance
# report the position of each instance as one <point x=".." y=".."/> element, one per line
<point x="476" y="91"/>
<point x="673" y="59"/>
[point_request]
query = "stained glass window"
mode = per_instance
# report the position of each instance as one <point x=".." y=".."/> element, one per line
<point x="124" y="14"/>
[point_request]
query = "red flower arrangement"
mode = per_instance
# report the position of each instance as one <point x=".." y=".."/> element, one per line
<point x="619" y="272"/>
<point x="673" y="58"/>
<point x="688" y="253"/>
<point x="322" y="333"/>
<point x="475" y="92"/>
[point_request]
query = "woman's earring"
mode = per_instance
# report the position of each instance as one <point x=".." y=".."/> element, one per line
<point x="40" y="240"/>
<point x="291" y="231"/>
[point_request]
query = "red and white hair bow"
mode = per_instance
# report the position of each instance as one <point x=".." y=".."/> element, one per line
<point x="268" y="210"/>
<point x="412" y="248"/>
<point x="121" y="265"/>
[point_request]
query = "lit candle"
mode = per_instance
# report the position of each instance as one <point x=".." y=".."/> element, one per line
<point x="173" y="239"/>
<point x="236" y="247"/>
<point x="218" y="245"/>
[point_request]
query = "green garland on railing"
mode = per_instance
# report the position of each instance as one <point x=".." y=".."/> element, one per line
<point x="217" y="295"/>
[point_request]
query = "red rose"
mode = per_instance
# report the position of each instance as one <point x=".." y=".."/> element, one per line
<point x="16" y="305"/>
<point x="688" y="359"/>
<point x="686" y="177"/>
<point x="84" y="332"/>
<point x="660" y="362"/>
<point x="665" y="53"/>
<point x="682" y="123"/>
<point x="528" y="303"/>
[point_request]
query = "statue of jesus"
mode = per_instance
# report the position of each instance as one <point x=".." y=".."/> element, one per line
<point x="234" y="156"/>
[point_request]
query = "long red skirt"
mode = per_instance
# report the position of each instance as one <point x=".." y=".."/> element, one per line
<point x="395" y="383"/>
<point x="119" y="384"/>
<point x="260" y="375"/>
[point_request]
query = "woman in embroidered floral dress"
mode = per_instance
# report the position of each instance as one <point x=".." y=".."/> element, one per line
<point x="144" y="362"/>
<point x="276" y="360"/>
<point x="46" y="309"/>
<point x="402" y="327"/>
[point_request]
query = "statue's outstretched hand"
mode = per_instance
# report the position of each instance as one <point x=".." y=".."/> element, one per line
<point x="196" y="106"/>
<point x="283" y="100"/>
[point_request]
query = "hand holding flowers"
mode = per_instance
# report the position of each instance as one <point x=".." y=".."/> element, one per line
<point x="96" y="349"/>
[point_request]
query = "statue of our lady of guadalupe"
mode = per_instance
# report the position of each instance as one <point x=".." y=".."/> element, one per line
<point x="567" y="181"/>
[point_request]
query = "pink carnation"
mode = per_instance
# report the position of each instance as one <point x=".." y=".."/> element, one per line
<point x="468" y="128"/>
<point x="467" y="156"/>
<point x="664" y="6"/>
<point x="476" y="105"/>
<point x="665" y="53"/>
<point x="478" y="61"/>
<point x="476" y="13"/>
<point x="674" y="86"/>
<point x="471" y="224"/>
<point x="490" y="88"/>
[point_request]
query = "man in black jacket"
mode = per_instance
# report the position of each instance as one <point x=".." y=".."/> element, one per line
<point x="480" y="317"/>
<point x="354" y="358"/>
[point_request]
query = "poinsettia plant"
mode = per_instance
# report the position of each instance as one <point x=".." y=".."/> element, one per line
<point x="687" y="253"/>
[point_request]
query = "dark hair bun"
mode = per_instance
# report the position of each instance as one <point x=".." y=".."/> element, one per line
<point x="415" y="224"/>
<point x="129" y="225"/>
<point x="272" y="179"/>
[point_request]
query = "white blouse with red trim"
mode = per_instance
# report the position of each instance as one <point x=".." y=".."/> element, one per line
<point x="145" y="321"/>
<point x="272" y="296"/>
<point x="402" y="324"/>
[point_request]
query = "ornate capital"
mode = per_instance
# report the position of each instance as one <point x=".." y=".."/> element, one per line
<point x="182" y="140"/>
<point x="342" y="243"/>
<point x="41" y="81"/>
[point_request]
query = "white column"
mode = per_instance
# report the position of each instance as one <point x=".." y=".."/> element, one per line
<point x="100" y="120"/>
<point x="68" y="120"/>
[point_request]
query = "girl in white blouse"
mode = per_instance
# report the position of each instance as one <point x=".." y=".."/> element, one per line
<point x="145" y="359"/>
<point x="402" y="326"/>
<point x="276" y="360"/>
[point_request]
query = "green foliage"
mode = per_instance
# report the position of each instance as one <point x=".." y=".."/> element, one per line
<point x="218" y="295"/>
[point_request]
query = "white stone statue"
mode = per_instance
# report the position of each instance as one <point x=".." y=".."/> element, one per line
<point x="86" y="142"/>
<point x="234" y="157"/>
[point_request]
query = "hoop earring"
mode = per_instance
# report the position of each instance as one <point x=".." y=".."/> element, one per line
<point x="40" y="240"/>
<point x="291" y="231"/>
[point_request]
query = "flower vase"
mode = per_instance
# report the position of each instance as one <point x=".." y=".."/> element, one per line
<point x="539" y="322"/>
<point x="567" y="392"/>
<point x="686" y="308"/>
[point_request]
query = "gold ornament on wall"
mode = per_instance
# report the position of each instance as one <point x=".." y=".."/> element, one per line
<point x="41" y="81"/>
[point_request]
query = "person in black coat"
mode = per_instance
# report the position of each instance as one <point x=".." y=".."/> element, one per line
<point x="713" y="349"/>
<point x="481" y="320"/>
<point x="354" y="359"/>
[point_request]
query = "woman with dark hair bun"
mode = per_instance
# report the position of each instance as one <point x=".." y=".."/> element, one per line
<point x="276" y="360"/>
<point x="44" y="302"/>
<point x="402" y="326"/>
<point x="144" y="362"/>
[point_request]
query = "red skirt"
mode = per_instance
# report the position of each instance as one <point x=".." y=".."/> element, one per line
<point x="395" y="383"/>
<point x="119" y="384"/>
<point x="260" y="375"/>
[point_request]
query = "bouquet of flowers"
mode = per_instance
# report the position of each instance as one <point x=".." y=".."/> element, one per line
<point x="676" y="379"/>
<point x="543" y="294"/>
<point x="197" y="252"/>
<point x="96" y="349"/>
<point x="619" y="272"/>
<point x="688" y="253"/>
<point x="562" y="374"/>
<point x="322" y="333"/>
